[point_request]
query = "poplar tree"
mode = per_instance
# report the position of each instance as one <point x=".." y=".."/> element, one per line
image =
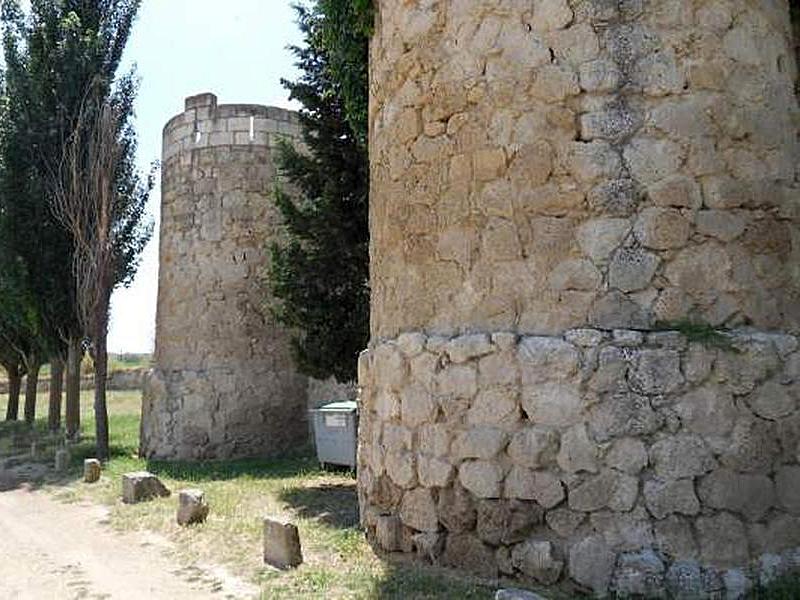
<point x="59" y="55"/>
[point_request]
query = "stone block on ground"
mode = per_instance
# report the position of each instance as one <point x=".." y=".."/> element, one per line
<point x="517" y="594"/>
<point x="142" y="486"/>
<point x="91" y="470"/>
<point x="192" y="507"/>
<point x="62" y="460"/>
<point x="281" y="544"/>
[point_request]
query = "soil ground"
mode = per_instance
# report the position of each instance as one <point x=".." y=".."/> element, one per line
<point x="63" y="551"/>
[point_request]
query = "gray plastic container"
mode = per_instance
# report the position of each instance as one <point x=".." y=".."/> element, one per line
<point x="336" y="433"/>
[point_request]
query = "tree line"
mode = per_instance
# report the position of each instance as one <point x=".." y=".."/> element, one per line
<point x="72" y="201"/>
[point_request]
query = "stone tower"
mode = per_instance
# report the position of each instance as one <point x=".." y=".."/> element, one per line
<point x="224" y="384"/>
<point x="586" y="290"/>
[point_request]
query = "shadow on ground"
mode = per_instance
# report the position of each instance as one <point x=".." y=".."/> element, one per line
<point x="21" y="467"/>
<point x="223" y="470"/>
<point x="333" y="504"/>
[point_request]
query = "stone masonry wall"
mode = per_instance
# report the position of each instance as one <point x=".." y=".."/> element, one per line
<point x="224" y="383"/>
<point x="542" y="165"/>
<point x="624" y="461"/>
<point x="558" y="186"/>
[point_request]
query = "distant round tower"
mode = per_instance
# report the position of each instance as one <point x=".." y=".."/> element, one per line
<point x="224" y="383"/>
<point x="585" y="275"/>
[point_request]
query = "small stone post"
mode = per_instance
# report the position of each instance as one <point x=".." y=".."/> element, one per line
<point x="192" y="507"/>
<point x="91" y="470"/>
<point x="62" y="460"/>
<point x="281" y="544"/>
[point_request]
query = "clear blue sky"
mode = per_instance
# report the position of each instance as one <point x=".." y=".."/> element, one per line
<point x="233" y="48"/>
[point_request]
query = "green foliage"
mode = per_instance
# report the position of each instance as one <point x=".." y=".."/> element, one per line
<point x="786" y="587"/>
<point x="345" y="28"/>
<point x="319" y="273"/>
<point x="702" y="333"/>
<point x="58" y="55"/>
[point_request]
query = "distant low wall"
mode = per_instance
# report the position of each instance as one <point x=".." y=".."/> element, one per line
<point x="129" y="379"/>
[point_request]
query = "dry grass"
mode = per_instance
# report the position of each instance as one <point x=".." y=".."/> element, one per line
<point x="338" y="561"/>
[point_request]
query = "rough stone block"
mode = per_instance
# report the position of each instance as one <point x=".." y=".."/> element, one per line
<point x="628" y="455"/>
<point x="535" y="558"/>
<point x="418" y="510"/>
<point x="623" y="414"/>
<point x="624" y="531"/>
<point x="632" y="269"/>
<point x="591" y="563"/>
<point x="578" y="453"/>
<point x="281" y="544"/>
<point x="664" y="498"/>
<point x="456" y="509"/>
<point x="722" y="539"/>
<point x="192" y="507"/>
<point x="610" y="489"/>
<point x="429" y="545"/>
<point x="639" y="574"/>
<point x="787" y="483"/>
<point x="482" y="478"/>
<point x="91" y="470"/>
<point x="62" y="460"/>
<point x="542" y="486"/>
<point x="681" y="456"/>
<point x="684" y="580"/>
<point x="534" y="447"/>
<point x="749" y="495"/>
<point x="142" y="486"/>
<point x="466" y="551"/>
<point x="389" y="533"/>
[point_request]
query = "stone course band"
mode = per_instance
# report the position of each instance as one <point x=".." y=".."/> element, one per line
<point x="620" y="460"/>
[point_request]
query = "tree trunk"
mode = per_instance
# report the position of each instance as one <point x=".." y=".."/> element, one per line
<point x="100" y="355"/>
<point x="14" y="386"/>
<point x="73" y="401"/>
<point x="31" y="387"/>
<point x="56" y="389"/>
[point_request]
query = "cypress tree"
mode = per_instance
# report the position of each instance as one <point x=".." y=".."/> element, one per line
<point x="319" y="273"/>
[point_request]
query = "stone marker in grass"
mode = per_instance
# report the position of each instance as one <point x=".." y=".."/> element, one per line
<point x="141" y="486"/>
<point x="281" y="543"/>
<point x="91" y="470"/>
<point x="192" y="507"/>
<point x="62" y="460"/>
<point x="517" y="594"/>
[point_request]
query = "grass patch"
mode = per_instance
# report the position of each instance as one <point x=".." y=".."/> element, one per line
<point x="783" y="588"/>
<point x="338" y="561"/>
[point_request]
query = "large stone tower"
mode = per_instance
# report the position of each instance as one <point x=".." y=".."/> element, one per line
<point x="586" y="290"/>
<point x="224" y="384"/>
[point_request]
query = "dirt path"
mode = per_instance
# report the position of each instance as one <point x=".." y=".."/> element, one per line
<point x="50" y="550"/>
